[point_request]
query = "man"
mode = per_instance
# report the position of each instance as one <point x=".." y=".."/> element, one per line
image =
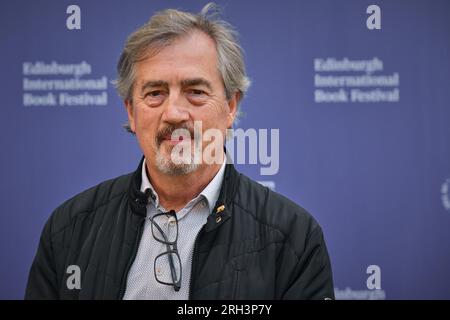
<point x="180" y="227"/>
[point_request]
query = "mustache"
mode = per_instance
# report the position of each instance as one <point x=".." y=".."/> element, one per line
<point x="169" y="129"/>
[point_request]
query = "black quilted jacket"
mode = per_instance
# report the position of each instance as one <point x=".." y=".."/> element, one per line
<point x="263" y="246"/>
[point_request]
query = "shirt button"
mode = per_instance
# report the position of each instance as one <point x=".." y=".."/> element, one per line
<point x="172" y="221"/>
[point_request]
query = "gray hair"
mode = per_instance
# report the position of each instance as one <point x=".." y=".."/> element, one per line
<point x="167" y="25"/>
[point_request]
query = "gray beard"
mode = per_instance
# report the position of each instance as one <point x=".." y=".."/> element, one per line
<point x="166" y="165"/>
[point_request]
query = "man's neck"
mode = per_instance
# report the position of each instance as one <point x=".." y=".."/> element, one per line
<point x="175" y="192"/>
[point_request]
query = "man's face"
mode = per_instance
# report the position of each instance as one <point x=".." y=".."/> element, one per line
<point x="174" y="88"/>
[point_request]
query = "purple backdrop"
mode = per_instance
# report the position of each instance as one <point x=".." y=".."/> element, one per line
<point x="375" y="174"/>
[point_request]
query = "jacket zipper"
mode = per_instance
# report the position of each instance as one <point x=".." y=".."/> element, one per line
<point x="130" y="262"/>
<point x="193" y="260"/>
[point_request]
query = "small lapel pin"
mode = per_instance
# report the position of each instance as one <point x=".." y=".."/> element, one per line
<point x="220" y="209"/>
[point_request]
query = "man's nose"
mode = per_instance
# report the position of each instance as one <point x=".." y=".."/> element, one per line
<point x="175" y="109"/>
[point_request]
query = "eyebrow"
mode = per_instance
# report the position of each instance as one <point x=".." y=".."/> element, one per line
<point x="196" y="82"/>
<point x="184" y="83"/>
<point x="152" y="84"/>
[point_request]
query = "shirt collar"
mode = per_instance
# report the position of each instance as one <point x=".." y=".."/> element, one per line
<point x="211" y="191"/>
<point x="145" y="184"/>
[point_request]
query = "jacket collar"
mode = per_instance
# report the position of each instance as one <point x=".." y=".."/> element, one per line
<point x="221" y="211"/>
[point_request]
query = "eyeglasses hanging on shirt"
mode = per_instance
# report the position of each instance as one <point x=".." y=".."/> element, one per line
<point x="165" y="230"/>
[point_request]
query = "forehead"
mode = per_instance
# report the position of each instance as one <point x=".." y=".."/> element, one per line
<point x="191" y="56"/>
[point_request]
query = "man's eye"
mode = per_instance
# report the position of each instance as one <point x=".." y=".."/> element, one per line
<point x="153" y="94"/>
<point x="197" y="92"/>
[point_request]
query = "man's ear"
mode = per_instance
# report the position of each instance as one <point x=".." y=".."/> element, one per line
<point x="233" y="108"/>
<point x="130" y="111"/>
